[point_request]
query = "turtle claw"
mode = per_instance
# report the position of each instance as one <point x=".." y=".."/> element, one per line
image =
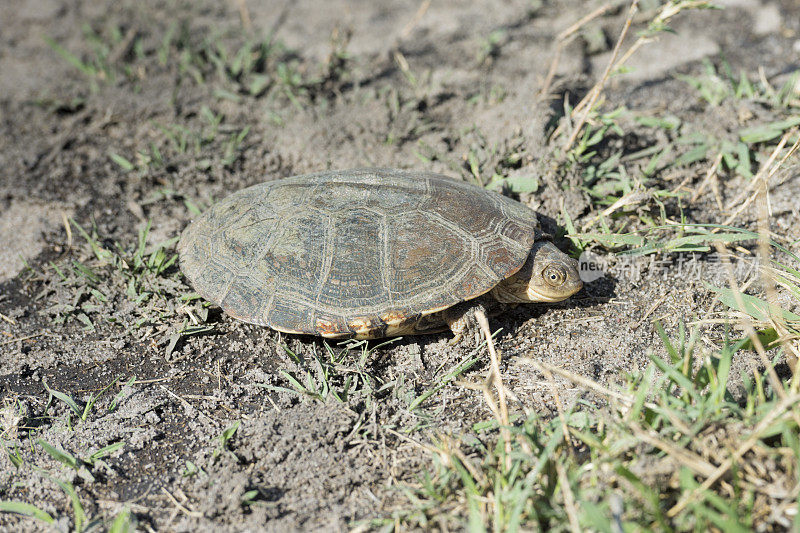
<point x="462" y="338"/>
<point x="456" y="339"/>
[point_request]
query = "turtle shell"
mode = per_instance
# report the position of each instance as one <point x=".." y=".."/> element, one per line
<point x="351" y="253"/>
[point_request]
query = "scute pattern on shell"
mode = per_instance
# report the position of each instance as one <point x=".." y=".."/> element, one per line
<point x="350" y="253"/>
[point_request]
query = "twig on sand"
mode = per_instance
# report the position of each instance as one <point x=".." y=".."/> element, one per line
<point x="494" y="377"/>
<point x="244" y="14"/>
<point x="768" y="169"/>
<point x="176" y="503"/>
<point x="587" y="383"/>
<point x="408" y="28"/>
<point x="591" y="98"/>
<point x="563" y="478"/>
<point x="710" y="179"/>
<point x="559" y="408"/>
<point x="394" y="48"/>
<point x="124" y="47"/>
<point x="20" y="339"/>
<point x="188" y="405"/>
<point x="564" y="38"/>
<point x="67" y="228"/>
<point x="585" y="106"/>
<point x="569" y="498"/>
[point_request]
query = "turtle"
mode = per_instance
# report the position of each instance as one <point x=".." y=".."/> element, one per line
<point x="371" y="253"/>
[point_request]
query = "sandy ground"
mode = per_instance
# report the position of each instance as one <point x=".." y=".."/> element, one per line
<point x="414" y="93"/>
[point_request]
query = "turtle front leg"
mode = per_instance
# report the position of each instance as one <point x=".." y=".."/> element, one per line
<point x="462" y="319"/>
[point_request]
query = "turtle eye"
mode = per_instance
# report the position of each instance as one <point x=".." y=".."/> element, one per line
<point x="555" y="275"/>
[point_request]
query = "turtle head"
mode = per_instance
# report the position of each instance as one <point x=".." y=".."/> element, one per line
<point x="549" y="275"/>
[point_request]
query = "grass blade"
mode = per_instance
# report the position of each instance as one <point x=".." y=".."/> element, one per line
<point x="59" y="455"/>
<point x="64" y="398"/>
<point x="25" y="509"/>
